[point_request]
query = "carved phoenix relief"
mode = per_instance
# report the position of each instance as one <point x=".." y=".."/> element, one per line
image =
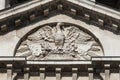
<point x="59" y="42"/>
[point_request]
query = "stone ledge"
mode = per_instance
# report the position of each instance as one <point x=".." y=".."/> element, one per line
<point x="59" y="62"/>
<point x="96" y="7"/>
<point x="20" y="8"/>
<point x="12" y="59"/>
<point x="87" y="8"/>
<point x="106" y="58"/>
<point x="86" y="4"/>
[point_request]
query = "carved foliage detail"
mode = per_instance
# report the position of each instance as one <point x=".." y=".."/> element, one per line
<point x="59" y="42"/>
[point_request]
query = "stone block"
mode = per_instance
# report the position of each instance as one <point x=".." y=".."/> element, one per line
<point x="107" y="74"/>
<point x="32" y="17"/>
<point x="46" y="12"/>
<point x="17" y="22"/>
<point x="42" y="73"/>
<point x="107" y="65"/>
<point x="73" y="12"/>
<point x="90" y="73"/>
<point x="42" y="76"/>
<point x="58" y="69"/>
<point x="114" y="27"/>
<point x="26" y="76"/>
<point x="3" y="27"/>
<point x="60" y="7"/>
<point x="74" y="73"/>
<point x="58" y="76"/>
<point x="107" y="71"/>
<point x="42" y="69"/>
<point x="90" y="69"/>
<point x="87" y="17"/>
<point x="9" y="72"/>
<point x="58" y="73"/>
<point x="26" y="73"/>
<point x="100" y="22"/>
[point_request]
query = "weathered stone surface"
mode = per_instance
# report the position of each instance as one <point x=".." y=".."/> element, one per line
<point x="60" y="42"/>
<point x="42" y="73"/>
<point x="107" y="71"/>
<point x="26" y="73"/>
<point x="74" y="73"/>
<point x="46" y="12"/>
<point x="58" y="73"/>
<point x="90" y="73"/>
<point x="9" y="72"/>
<point x="4" y="27"/>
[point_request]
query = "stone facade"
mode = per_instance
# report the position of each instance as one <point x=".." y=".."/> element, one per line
<point x="60" y="40"/>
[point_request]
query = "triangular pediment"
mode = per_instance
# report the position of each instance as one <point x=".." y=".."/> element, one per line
<point x="40" y="10"/>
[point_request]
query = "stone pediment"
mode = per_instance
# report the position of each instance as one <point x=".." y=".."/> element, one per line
<point x="27" y="14"/>
<point x="59" y="41"/>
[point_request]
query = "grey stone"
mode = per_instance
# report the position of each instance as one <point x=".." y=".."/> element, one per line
<point x="9" y="72"/>
<point x="4" y="27"/>
<point x="46" y="12"/>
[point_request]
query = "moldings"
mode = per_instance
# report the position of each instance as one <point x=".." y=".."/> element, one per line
<point x="59" y="42"/>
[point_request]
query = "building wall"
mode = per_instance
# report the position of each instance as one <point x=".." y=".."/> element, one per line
<point x="13" y="31"/>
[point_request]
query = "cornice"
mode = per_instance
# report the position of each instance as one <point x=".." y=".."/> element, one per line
<point x="104" y="17"/>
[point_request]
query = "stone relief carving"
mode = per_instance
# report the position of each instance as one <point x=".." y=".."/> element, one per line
<point x="59" y="42"/>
